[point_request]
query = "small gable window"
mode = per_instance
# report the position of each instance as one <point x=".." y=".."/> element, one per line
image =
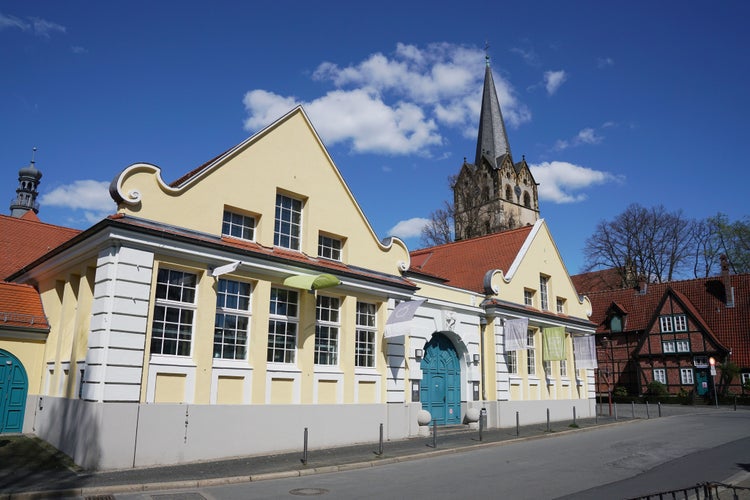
<point x="615" y="323"/>
<point x="329" y="248"/>
<point x="238" y="226"/>
<point x="673" y="323"/>
<point x="288" y="223"/>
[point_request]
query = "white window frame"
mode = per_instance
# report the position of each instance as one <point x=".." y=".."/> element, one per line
<point x="682" y="345"/>
<point x="366" y="335"/>
<point x="237" y="225"/>
<point x="686" y="376"/>
<point x="665" y="324"/>
<point x="163" y="302"/>
<point x="528" y="297"/>
<point x="668" y="347"/>
<point x="511" y="360"/>
<point x="680" y="323"/>
<point x="563" y="367"/>
<point x="283" y="312"/>
<point x="287" y="229"/>
<point x="230" y="339"/>
<point x="560" y="305"/>
<point x="544" y="292"/>
<point x="327" y="328"/>
<point x="660" y="375"/>
<point x="330" y="247"/>
<point x="530" y="353"/>
<point x="744" y="378"/>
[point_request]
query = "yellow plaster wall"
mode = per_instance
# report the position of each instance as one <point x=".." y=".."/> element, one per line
<point x="31" y="355"/>
<point x="250" y="180"/>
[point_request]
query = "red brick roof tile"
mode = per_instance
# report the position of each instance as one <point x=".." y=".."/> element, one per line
<point x="21" y="307"/>
<point x="25" y="239"/>
<point x="464" y="263"/>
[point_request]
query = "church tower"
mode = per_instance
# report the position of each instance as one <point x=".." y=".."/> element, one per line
<point x="494" y="193"/>
<point x="26" y="193"/>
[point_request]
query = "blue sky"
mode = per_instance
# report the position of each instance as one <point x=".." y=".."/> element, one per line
<point x="611" y="102"/>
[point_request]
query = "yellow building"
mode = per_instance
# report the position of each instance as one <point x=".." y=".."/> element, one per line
<point x="225" y="313"/>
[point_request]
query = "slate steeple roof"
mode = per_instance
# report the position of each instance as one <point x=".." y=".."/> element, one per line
<point x="492" y="140"/>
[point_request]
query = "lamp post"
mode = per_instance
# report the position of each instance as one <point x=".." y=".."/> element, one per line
<point x="607" y="373"/>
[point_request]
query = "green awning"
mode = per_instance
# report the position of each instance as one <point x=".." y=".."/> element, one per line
<point x="312" y="281"/>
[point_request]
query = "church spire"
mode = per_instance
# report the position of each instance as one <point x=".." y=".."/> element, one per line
<point x="492" y="140"/>
<point x="26" y="193"/>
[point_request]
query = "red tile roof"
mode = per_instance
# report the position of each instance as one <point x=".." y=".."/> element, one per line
<point x="21" y="307"/>
<point x="704" y="297"/>
<point x="25" y="239"/>
<point x="598" y="281"/>
<point x="463" y="264"/>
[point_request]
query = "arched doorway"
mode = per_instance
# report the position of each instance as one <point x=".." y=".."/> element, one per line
<point x="14" y="385"/>
<point x="440" y="391"/>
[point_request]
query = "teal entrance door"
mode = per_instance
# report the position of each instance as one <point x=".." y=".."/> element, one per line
<point x="701" y="382"/>
<point x="14" y="386"/>
<point x="440" y="391"/>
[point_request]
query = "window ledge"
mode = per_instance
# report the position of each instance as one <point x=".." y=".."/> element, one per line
<point x="283" y="367"/>
<point x="370" y="372"/>
<point x="161" y="359"/>
<point x="533" y="380"/>
<point x="236" y="364"/>
<point x="328" y="370"/>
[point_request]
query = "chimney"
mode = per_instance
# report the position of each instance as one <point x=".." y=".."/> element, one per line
<point x="642" y="285"/>
<point x="726" y="280"/>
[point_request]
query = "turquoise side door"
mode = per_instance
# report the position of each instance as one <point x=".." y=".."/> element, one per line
<point x="14" y="385"/>
<point x="701" y="382"/>
<point x="440" y="391"/>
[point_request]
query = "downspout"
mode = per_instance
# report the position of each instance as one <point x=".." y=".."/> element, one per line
<point x="482" y="328"/>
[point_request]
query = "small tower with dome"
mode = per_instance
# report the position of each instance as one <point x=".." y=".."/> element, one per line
<point x="26" y="193"/>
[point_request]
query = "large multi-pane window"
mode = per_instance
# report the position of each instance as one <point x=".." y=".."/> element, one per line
<point x="329" y="248"/>
<point x="530" y="353"/>
<point x="680" y="323"/>
<point x="326" y="330"/>
<point x="660" y="375"/>
<point x="563" y="368"/>
<point x="668" y="346"/>
<point x="682" y="345"/>
<point x="676" y="323"/>
<point x="288" y="223"/>
<point x="665" y="324"/>
<point x="543" y="292"/>
<point x="232" y="319"/>
<point x="172" y="325"/>
<point x="238" y="225"/>
<point x="282" y="326"/>
<point x="547" y="368"/>
<point x="365" y="335"/>
<point x="686" y="376"/>
<point x="511" y="358"/>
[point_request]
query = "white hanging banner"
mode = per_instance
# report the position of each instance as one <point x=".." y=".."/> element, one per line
<point x="585" y="352"/>
<point x="399" y="321"/>
<point x="516" y="331"/>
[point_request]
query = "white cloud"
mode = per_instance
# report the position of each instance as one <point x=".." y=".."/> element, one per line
<point x="34" y="25"/>
<point x="88" y="195"/>
<point x="562" y="182"/>
<point x="585" y="136"/>
<point x="395" y="104"/>
<point x="528" y="55"/>
<point x="605" y="62"/>
<point x="553" y="80"/>
<point x="410" y="228"/>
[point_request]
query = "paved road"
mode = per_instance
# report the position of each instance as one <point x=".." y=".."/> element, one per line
<point x="620" y="461"/>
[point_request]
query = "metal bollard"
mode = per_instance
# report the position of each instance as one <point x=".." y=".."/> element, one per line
<point x="518" y="425"/>
<point x="481" y="425"/>
<point x="575" y="424"/>
<point x="632" y="407"/>
<point x="434" y="433"/>
<point x="648" y="415"/>
<point x="615" y="407"/>
<point x="380" y="446"/>
<point x="659" y="403"/>
<point x="735" y="403"/>
<point x="548" y="429"/>
<point x="304" y="449"/>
